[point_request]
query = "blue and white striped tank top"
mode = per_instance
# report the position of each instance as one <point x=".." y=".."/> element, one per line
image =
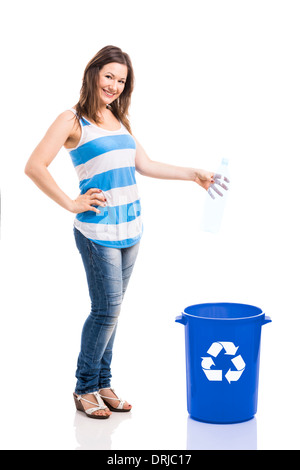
<point x="106" y="160"/>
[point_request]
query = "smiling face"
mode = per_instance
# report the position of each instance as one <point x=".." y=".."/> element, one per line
<point x="112" y="78"/>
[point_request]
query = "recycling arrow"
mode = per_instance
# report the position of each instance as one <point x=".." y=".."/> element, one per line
<point x="214" y="374"/>
<point x="234" y="375"/>
<point x="217" y="347"/>
<point x="207" y="363"/>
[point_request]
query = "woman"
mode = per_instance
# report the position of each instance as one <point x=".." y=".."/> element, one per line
<point x="107" y="227"/>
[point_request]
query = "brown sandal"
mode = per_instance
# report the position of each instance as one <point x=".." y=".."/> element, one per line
<point x="89" y="411"/>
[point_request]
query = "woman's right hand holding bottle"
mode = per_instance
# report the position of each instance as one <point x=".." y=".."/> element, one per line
<point x="87" y="201"/>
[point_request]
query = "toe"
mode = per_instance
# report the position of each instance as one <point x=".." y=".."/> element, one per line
<point x="105" y="412"/>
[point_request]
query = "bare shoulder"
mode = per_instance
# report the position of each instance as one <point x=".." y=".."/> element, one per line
<point x="68" y="122"/>
<point x="67" y="118"/>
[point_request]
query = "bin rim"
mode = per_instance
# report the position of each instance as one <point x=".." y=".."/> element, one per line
<point x="207" y="304"/>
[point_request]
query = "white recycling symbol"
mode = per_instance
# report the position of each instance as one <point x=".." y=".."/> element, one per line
<point x="217" y="375"/>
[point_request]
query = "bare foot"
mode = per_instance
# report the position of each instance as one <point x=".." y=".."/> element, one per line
<point x="114" y="401"/>
<point x="92" y="398"/>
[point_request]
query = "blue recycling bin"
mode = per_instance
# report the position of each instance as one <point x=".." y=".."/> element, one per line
<point x="222" y="343"/>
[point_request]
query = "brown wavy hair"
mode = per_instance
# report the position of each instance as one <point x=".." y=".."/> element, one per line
<point x="89" y="100"/>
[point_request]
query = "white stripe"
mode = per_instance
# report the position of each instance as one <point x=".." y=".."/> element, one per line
<point x="91" y="132"/>
<point x="121" y="196"/>
<point x="110" y="232"/>
<point x="106" y="162"/>
<point x="96" y="132"/>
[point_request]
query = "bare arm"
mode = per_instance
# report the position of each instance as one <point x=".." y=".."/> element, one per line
<point x="147" y="167"/>
<point x="45" y="152"/>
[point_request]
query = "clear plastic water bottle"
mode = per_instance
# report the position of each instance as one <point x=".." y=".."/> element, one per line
<point x="216" y="200"/>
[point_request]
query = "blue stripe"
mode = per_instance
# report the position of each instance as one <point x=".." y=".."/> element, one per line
<point x="84" y="122"/>
<point x="117" y="178"/>
<point x="101" y="145"/>
<point x="112" y="215"/>
<point x="119" y="243"/>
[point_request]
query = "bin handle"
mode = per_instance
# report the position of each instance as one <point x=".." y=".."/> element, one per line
<point x="181" y="319"/>
<point x="266" y="320"/>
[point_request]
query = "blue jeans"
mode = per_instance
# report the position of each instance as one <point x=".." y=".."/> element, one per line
<point x="108" y="272"/>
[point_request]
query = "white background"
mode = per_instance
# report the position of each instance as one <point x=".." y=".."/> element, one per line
<point x="213" y="79"/>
